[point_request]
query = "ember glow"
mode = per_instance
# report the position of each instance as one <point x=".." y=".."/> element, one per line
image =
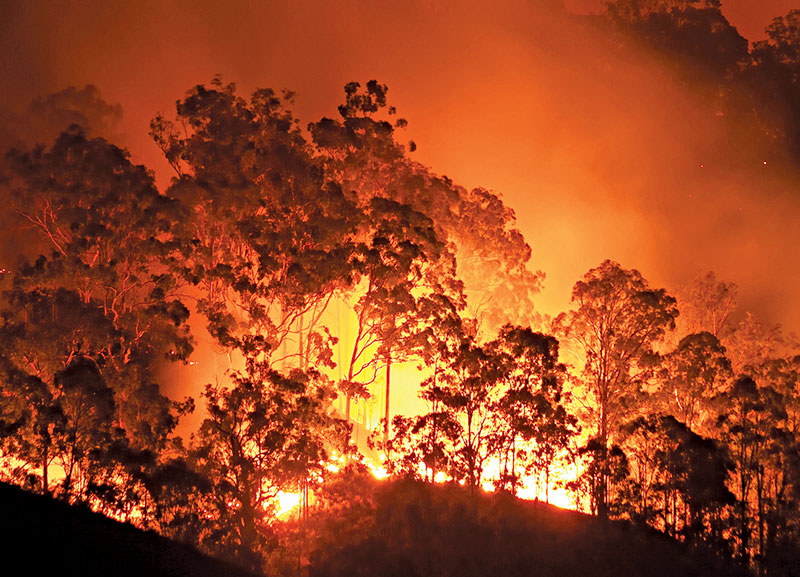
<point x="287" y="502"/>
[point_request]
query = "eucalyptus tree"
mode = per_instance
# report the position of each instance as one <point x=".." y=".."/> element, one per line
<point x="267" y="240"/>
<point x="772" y="433"/>
<point x="707" y="305"/>
<point x="405" y="268"/>
<point x="532" y="426"/>
<point x="270" y="432"/>
<point x="774" y="78"/>
<point x="616" y="322"/>
<point x="471" y="257"/>
<point x="678" y="479"/>
<point x="498" y="403"/>
<point x="691" y="378"/>
<point x="752" y="416"/>
<point x="100" y="294"/>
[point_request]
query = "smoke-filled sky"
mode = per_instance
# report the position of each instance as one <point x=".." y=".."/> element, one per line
<point x="749" y="16"/>
<point x="601" y="155"/>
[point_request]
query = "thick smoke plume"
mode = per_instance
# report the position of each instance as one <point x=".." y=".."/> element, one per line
<point x="603" y="153"/>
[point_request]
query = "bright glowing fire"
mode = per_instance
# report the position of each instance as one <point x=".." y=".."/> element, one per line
<point x="557" y="497"/>
<point x="534" y="489"/>
<point x="378" y="472"/>
<point x="287" y="502"/>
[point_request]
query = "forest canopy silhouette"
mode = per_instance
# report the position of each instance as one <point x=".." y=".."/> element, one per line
<point x="310" y="271"/>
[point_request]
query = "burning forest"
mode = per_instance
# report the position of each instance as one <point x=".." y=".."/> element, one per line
<point x="302" y="349"/>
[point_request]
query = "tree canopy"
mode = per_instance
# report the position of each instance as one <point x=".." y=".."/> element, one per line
<point x="322" y="261"/>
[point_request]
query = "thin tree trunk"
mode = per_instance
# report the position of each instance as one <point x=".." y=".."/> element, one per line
<point x="301" y="344"/>
<point x="602" y="497"/>
<point x="386" y="401"/>
<point x="547" y="484"/>
<point x="45" y="482"/>
<point x="760" y="480"/>
<point x="433" y="431"/>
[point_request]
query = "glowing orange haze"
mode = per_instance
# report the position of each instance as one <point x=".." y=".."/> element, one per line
<point x="599" y="154"/>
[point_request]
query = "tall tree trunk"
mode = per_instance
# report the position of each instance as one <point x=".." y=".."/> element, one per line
<point x="301" y="344"/>
<point x="386" y="401"/>
<point x="547" y="484"/>
<point x="760" y="498"/>
<point x="248" y="538"/>
<point x="302" y="518"/>
<point x="45" y="482"/>
<point x="602" y="497"/>
<point x="433" y="432"/>
<point x="514" y="464"/>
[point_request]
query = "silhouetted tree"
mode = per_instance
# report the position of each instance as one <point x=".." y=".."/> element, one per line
<point x="424" y="445"/>
<point x="265" y="434"/>
<point x="532" y="426"/>
<point x="604" y="474"/>
<point x="706" y="305"/>
<point x="775" y="80"/>
<point x="679" y="478"/>
<point x="753" y="342"/>
<point x="776" y="505"/>
<point x="691" y="377"/>
<point x="751" y="415"/>
<point x="409" y="285"/>
<point x="617" y="320"/>
<point x="86" y="325"/>
<point x="266" y="240"/>
<point x="692" y="33"/>
<point x="501" y="402"/>
<point x="405" y="268"/>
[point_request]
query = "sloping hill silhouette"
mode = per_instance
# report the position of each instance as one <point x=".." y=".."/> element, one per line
<point x="396" y="529"/>
<point x="416" y="529"/>
<point x="42" y="536"/>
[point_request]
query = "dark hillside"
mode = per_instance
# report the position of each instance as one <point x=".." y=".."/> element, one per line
<point x="49" y="537"/>
<point x="421" y="530"/>
<point x="402" y="529"/>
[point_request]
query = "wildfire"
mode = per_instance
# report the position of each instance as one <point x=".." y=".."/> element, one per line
<point x="287" y="502"/>
<point x="556" y="496"/>
<point x="535" y="488"/>
<point x="379" y="472"/>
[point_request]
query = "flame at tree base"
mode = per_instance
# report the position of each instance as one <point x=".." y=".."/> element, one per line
<point x="287" y="502"/>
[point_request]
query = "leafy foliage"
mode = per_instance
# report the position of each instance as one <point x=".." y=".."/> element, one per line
<point x="268" y="232"/>
<point x="617" y="321"/>
<point x="501" y="402"/>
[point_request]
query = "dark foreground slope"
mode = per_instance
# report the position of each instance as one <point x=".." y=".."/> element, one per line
<point x="42" y="536"/>
<point x="411" y="529"/>
<point x="367" y="528"/>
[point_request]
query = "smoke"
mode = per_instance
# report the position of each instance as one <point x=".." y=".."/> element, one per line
<point x="602" y="153"/>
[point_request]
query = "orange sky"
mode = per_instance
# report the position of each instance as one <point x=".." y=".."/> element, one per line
<point x="599" y="155"/>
